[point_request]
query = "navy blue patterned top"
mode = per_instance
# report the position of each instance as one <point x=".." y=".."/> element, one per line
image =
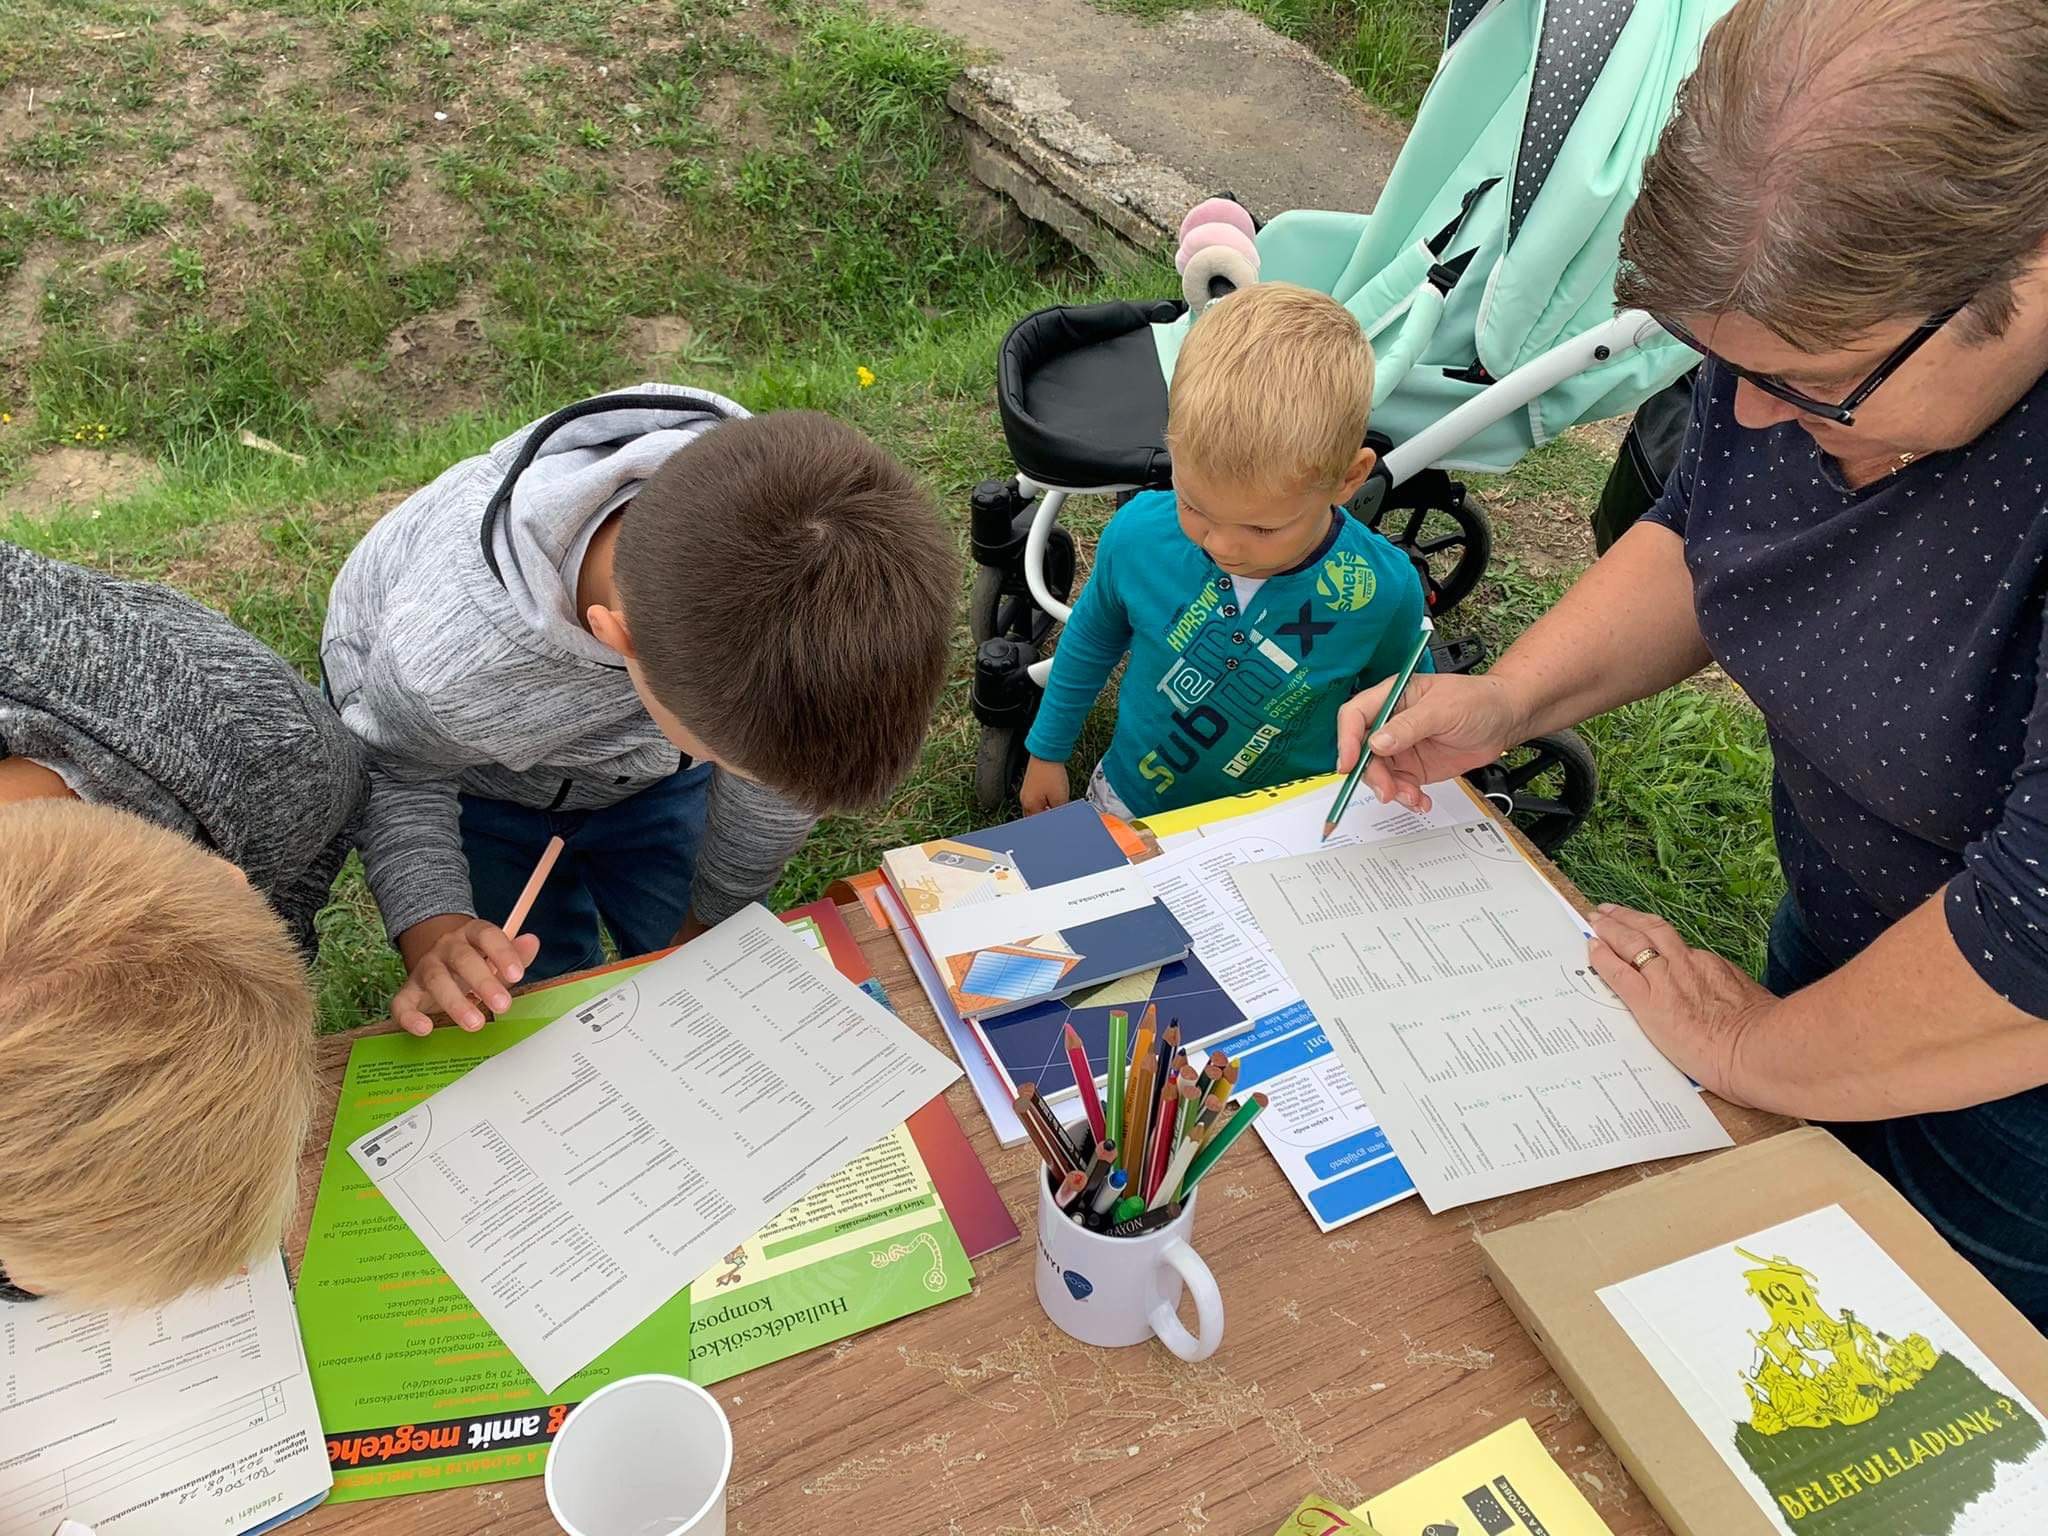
<point x="1892" y="638"/>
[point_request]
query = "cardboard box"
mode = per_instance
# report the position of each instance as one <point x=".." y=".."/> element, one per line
<point x="1549" y="1269"/>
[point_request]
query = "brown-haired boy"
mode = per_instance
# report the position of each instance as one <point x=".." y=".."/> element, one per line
<point x="668" y="632"/>
<point x="156" y="1059"/>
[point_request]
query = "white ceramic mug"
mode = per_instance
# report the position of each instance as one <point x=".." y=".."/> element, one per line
<point x="644" y="1456"/>
<point x="1123" y="1290"/>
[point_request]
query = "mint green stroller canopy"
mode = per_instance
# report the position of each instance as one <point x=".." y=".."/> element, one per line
<point x="1521" y="166"/>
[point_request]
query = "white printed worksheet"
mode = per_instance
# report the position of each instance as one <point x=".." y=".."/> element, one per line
<point x="579" y="1180"/>
<point x="195" y="1418"/>
<point x="1452" y="978"/>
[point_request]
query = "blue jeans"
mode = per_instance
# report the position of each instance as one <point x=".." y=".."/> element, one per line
<point x="1979" y="1175"/>
<point x="629" y="866"/>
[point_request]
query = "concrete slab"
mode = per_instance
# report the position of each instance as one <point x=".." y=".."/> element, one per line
<point x="1114" y="113"/>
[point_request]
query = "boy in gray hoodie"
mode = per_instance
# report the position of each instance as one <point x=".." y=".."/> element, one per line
<point x="668" y="632"/>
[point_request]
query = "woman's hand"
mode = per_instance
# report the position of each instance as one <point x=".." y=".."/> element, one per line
<point x="1442" y="726"/>
<point x="1695" y="1006"/>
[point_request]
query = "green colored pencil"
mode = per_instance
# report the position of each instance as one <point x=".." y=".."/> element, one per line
<point x="1119" y="1052"/>
<point x="1219" y="1143"/>
<point x="1386" y="713"/>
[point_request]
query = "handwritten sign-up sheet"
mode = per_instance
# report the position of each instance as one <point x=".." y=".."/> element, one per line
<point x="575" y="1183"/>
<point x="1453" y="980"/>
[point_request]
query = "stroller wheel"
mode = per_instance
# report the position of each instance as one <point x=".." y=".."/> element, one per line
<point x="1443" y="530"/>
<point x="998" y="767"/>
<point x="1545" y="786"/>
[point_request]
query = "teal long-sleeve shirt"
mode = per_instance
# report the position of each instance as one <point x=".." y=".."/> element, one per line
<point x="1224" y="693"/>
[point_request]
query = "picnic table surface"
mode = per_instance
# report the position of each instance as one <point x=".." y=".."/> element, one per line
<point x="1349" y="1362"/>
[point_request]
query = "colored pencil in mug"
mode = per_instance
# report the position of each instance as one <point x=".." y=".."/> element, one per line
<point x="1176" y="1172"/>
<point x="1084" y="1084"/>
<point x="1119" y="1047"/>
<point x="1164" y="1125"/>
<point x="1069" y="1190"/>
<point x="1062" y="1137"/>
<point x="1138" y="1126"/>
<point x="1054" y="1156"/>
<point x="1190" y="1107"/>
<point x="1220" y="1090"/>
<point x="1220" y="1143"/>
<point x="534" y="882"/>
<point x="1350" y="784"/>
<point x="1112" y="1191"/>
<point x="1211" y="1070"/>
<point x="1141" y="1052"/>
<point x="1099" y="1166"/>
<point x="1169" y="1047"/>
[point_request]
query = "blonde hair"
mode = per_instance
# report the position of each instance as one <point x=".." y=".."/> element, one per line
<point x="1272" y="390"/>
<point x="156" y="1059"/>
<point x="1834" y="166"/>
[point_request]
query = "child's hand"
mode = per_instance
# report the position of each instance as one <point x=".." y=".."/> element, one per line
<point x="458" y="965"/>
<point x="1044" y="787"/>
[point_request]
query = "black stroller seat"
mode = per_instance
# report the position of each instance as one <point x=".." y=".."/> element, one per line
<point x="1082" y="399"/>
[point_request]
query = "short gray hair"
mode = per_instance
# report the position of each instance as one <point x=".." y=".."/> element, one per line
<point x="1837" y="165"/>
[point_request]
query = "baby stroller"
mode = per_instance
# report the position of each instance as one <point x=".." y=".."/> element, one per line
<point x="1485" y="279"/>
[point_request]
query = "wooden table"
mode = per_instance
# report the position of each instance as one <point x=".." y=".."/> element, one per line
<point x="1349" y="1361"/>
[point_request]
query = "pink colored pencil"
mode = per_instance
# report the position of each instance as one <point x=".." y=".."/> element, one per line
<point x="534" y="882"/>
<point x="1084" y="1080"/>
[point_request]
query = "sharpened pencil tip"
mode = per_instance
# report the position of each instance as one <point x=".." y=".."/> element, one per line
<point x="1328" y="828"/>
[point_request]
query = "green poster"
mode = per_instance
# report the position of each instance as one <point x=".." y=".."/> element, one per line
<point x="866" y="1247"/>
<point x="415" y="1391"/>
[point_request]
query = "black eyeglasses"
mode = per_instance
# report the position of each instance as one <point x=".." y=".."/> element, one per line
<point x="1842" y="413"/>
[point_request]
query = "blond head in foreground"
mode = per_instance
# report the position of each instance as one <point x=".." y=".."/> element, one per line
<point x="156" y="1059"/>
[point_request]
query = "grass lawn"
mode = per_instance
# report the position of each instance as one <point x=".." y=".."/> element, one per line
<point x="375" y="236"/>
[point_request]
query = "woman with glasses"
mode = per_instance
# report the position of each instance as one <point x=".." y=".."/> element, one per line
<point x="1848" y="219"/>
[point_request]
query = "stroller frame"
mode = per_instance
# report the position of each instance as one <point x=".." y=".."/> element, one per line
<point x="1025" y="567"/>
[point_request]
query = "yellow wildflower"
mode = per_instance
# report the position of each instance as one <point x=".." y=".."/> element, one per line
<point x="865" y="374"/>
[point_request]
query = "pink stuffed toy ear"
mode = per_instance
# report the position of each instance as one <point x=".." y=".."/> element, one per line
<point x="1226" y="236"/>
<point x="1217" y="210"/>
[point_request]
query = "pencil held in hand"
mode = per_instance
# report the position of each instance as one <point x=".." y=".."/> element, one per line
<point x="534" y="882"/>
<point x="1393" y="700"/>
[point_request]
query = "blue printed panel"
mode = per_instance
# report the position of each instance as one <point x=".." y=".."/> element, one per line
<point x="1269" y="1062"/>
<point x="1365" y="1190"/>
<point x="1010" y="975"/>
<point x="1352" y="1152"/>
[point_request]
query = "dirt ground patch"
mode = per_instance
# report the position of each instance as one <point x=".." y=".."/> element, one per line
<point x="66" y="479"/>
<point x="420" y="222"/>
<point x="1544" y="535"/>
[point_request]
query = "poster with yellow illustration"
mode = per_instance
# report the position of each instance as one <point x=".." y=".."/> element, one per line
<point x="1837" y="1391"/>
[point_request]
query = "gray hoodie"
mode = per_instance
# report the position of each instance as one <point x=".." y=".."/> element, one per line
<point x="454" y="651"/>
<point x="141" y="698"/>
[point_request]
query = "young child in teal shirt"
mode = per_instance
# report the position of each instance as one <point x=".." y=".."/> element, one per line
<point x="1251" y="605"/>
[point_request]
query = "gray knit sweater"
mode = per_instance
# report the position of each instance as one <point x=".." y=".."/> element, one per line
<point x="145" y="699"/>
<point x="454" y="651"/>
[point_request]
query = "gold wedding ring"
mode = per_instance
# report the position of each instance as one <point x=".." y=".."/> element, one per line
<point x="1644" y="958"/>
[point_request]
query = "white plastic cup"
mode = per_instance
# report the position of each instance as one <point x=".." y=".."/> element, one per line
<point x="645" y="1456"/>
<point x="1117" y="1291"/>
